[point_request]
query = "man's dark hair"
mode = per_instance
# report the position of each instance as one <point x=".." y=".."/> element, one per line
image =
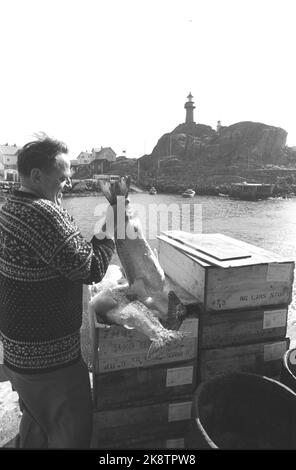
<point x="40" y="154"/>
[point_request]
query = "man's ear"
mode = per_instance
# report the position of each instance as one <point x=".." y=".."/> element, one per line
<point x="36" y="175"/>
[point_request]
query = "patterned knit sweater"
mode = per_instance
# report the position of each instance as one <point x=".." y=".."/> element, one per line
<point x="44" y="262"/>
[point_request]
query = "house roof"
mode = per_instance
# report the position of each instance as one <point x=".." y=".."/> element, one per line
<point x="84" y="154"/>
<point x="102" y="149"/>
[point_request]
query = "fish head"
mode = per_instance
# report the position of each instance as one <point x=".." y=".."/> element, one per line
<point x="112" y="189"/>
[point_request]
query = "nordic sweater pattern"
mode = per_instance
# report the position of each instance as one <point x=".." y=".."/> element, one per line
<point x="44" y="262"/>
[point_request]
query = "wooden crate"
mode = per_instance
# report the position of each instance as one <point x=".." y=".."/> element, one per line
<point x="173" y="439"/>
<point x="119" y="348"/>
<point x="146" y="385"/>
<point x="133" y="425"/>
<point x="116" y="348"/>
<point x="224" y="273"/>
<point x="263" y="358"/>
<point x="243" y="326"/>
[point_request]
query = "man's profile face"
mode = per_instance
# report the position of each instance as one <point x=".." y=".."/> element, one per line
<point x="54" y="182"/>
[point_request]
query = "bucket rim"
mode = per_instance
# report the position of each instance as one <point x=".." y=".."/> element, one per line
<point x="242" y="376"/>
<point x="286" y="361"/>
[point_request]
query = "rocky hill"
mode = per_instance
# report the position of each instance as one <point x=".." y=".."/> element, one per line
<point x="196" y="155"/>
<point x="242" y="143"/>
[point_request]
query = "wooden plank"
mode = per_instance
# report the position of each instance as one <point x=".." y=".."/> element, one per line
<point x="261" y="358"/>
<point x="255" y="250"/>
<point x="165" y="412"/>
<point x="258" y="255"/>
<point x="222" y="250"/>
<point x="173" y="440"/>
<point x="156" y="436"/>
<point x="240" y="245"/>
<point x="170" y="419"/>
<point x="239" y="327"/>
<point x="198" y="256"/>
<point x="146" y="385"/>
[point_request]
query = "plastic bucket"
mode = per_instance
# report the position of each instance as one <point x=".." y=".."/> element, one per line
<point x="288" y="373"/>
<point x="243" y="411"/>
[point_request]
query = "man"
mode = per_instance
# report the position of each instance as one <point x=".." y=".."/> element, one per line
<point x="44" y="262"/>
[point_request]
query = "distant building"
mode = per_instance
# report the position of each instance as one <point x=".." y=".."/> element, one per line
<point x="84" y="158"/>
<point x="99" y="166"/>
<point x="8" y="162"/>
<point x="106" y="153"/>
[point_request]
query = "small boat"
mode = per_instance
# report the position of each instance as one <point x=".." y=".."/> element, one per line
<point x="188" y="193"/>
<point x="152" y="191"/>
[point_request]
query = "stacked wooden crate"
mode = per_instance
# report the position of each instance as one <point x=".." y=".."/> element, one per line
<point x="142" y="402"/>
<point x="244" y="293"/>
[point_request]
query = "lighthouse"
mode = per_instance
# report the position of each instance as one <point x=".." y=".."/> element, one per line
<point x="189" y="106"/>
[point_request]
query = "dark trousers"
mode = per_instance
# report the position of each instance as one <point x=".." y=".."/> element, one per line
<point x="56" y="406"/>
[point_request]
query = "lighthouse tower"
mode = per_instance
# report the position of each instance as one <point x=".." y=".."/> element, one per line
<point x="189" y="106"/>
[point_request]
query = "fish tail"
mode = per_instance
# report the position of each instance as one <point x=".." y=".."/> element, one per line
<point x="113" y="189"/>
<point x="155" y="346"/>
<point x="170" y="337"/>
<point x="176" y="311"/>
<point x="122" y="186"/>
<point x="106" y="188"/>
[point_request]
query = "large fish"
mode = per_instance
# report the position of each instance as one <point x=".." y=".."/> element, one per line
<point x="147" y="288"/>
<point x="145" y="276"/>
<point x="111" y="306"/>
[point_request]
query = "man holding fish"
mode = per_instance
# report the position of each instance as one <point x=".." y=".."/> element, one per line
<point x="44" y="262"/>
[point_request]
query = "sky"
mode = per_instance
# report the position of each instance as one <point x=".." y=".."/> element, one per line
<point x="116" y="73"/>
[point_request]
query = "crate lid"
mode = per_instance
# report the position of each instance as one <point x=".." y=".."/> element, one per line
<point x="220" y="248"/>
<point x="216" y="249"/>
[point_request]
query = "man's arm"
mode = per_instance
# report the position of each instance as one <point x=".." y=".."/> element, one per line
<point x="77" y="258"/>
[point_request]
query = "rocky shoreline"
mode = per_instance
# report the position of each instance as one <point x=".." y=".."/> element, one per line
<point x="219" y="191"/>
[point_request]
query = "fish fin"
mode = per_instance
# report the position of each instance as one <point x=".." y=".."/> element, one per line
<point x="171" y="337"/>
<point x="176" y="311"/>
<point x="154" y="348"/>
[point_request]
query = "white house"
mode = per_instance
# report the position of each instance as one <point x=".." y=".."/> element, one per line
<point x="104" y="153"/>
<point x="8" y="162"/>
<point x="84" y="158"/>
